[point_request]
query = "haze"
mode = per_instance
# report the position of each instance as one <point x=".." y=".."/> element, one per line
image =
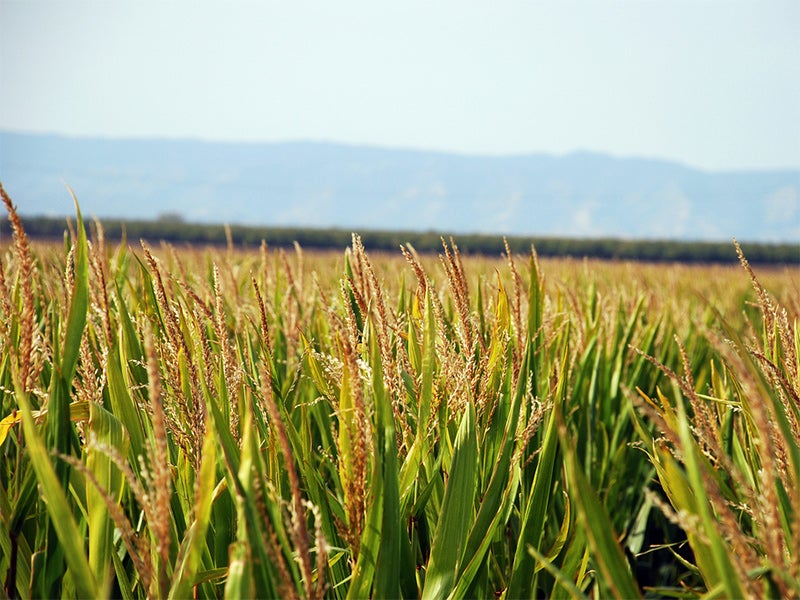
<point x="714" y="85"/>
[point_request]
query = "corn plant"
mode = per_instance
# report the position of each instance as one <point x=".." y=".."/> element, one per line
<point x="271" y="423"/>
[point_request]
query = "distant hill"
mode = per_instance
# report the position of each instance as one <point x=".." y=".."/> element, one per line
<point x="355" y="188"/>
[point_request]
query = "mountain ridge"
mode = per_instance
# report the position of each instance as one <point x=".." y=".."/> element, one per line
<point x="321" y="184"/>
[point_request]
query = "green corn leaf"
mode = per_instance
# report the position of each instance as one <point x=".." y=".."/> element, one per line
<point x="23" y="575"/>
<point x="475" y="553"/>
<point x="194" y="543"/>
<point x="612" y="567"/>
<point x="567" y="524"/>
<point x="389" y="567"/>
<point x="678" y="489"/>
<point x="80" y="302"/>
<point x="124" y="407"/>
<point x="379" y="550"/>
<point x="364" y="572"/>
<point x="250" y="549"/>
<point x="347" y="430"/>
<point x="123" y="580"/>
<point x="497" y="499"/>
<point x="577" y="558"/>
<point x="523" y="578"/>
<point x="107" y="430"/>
<point x="560" y="576"/>
<point x="315" y="368"/>
<point x="621" y="348"/>
<point x="419" y="451"/>
<point x="394" y="571"/>
<point x="130" y="348"/>
<point x="63" y="522"/>
<point x="428" y="366"/>
<point x="457" y="510"/>
<point x="240" y="584"/>
<point x="535" y="320"/>
<point x="727" y="573"/>
<point x="60" y="436"/>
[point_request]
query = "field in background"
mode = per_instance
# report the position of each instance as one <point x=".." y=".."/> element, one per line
<point x="281" y="423"/>
<point x="174" y="230"/>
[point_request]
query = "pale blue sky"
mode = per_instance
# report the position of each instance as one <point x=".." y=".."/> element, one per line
<point x="712" y="84"/>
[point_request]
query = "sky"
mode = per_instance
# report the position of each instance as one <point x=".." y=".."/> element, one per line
<point x="711" y="84"/>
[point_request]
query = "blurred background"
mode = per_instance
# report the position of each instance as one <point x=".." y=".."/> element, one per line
<point x="643" y="120"/>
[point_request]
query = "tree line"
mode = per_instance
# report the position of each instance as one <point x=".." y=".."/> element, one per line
<point x="176" y="231"/>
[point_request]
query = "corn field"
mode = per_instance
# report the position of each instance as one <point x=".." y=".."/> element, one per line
<point x="190" y="423"/>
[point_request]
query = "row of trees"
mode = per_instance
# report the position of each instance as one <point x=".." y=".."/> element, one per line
<point x="177" y="231"/>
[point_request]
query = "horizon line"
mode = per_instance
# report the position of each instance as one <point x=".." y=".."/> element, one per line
<point x="388" y="147"/>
